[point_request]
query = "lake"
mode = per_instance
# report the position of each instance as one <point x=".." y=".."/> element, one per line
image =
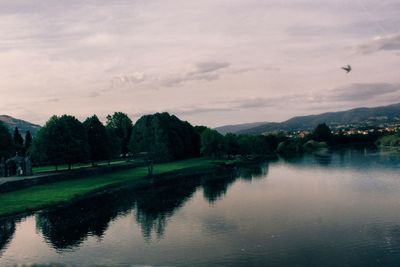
<point x="331" y="209"/>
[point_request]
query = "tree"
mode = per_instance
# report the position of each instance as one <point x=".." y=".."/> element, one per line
<point x="6" y="141"/>
<point x="231" y="146"/>
<point x="97" y="139"/>
<point x="322" y="133"/>
<point x="27" y="141"/>
<point x="18" y="140"/>
<point x="245" y="144"/>
<point x="120" y="127"/>
<point x="61" y="140"/>
<point x="164" y="136"/>
<point x="212" y="143"/>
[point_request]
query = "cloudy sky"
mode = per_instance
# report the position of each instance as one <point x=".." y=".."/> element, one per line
<point x="211" y="62"/>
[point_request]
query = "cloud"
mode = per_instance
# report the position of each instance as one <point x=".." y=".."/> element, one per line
<point x="362" y="91"/>
<point x="235" y="105"/>
<point x="255" y="103"/>
<point x="388" y="43"/>
<point x="203" y="71"/>
<point x="53" y="100"/>
<point x="204" y="67"/>
<point x="199" y="110"/>
<point x="93" y="94"/>
<point x="133" y="78"/>
<point x="242" y="60"/>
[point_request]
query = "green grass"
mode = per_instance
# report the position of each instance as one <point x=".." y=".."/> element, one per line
<point x="38" y="197"/>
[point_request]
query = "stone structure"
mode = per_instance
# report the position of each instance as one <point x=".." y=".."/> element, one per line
<point x="16" y="166"/>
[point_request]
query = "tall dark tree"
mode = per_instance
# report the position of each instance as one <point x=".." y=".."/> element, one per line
<point x="6" y="141"/>
<point x="97" y="139"/>
<point x="61" y="140"/>
<point x="322" y="133"/>
<point x="18" y="140"/>
<point x="231" y="146"/>
<point x="212" y="143"/>
<point x="164" y="136"/>
<point x="120" y="127"/>
<point x="27" y="141"/>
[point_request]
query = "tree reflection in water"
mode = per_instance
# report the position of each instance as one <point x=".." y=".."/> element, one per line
<point x="7" y="229"/>
<point x="67" y="227"/>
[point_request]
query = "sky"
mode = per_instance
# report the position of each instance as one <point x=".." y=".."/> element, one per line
<point x="211" y="62"/>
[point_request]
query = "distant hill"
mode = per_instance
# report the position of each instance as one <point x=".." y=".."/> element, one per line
<point x="359" y="116"/>
<point x="22" y="125"/>
<point x="238" y="127"/>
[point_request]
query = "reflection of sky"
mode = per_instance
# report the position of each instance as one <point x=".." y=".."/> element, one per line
<point x="304" y="213"/>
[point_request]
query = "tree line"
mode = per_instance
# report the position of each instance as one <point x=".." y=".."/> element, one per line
<point x="158" y="137"/>
<point x="11" y="144"/>
<point x="161" y="137"/>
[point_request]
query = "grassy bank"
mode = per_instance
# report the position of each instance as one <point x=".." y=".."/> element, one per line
<point x="42" y="196"/>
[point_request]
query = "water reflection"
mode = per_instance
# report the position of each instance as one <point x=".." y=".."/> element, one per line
<point x="67" y="227"/>
<point x="7" y="229"/>
<point x="156" y="204"/>
<point x="153" y="204"/>
<point x="317" y="210"/>
<point x="362" y="157"/>
<point x="214" y="189"/>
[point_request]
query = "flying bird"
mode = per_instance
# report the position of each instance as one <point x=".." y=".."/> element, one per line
<point x="347" y="69"/>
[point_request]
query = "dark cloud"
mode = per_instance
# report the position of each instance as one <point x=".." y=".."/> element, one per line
<point x="359" y="91"/>
<point x="391" y="43"/>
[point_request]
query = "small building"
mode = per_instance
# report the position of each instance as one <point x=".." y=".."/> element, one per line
<point x="16" y="166"/>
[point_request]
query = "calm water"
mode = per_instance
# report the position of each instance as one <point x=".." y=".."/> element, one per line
<point x="340" y="209"/>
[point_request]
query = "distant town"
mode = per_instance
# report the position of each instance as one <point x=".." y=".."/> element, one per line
<point x="353" y="129"/>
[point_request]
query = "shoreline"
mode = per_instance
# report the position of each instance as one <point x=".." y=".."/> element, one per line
<point x="19" y="203"/>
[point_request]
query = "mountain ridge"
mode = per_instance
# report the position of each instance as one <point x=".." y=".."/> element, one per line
<point x="237" y="127"/>
<point x="372" y="116"/>
<point x="23" y="126"/>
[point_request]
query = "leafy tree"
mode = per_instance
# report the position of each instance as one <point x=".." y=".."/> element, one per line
<point x="120" y="127"/>
<point x="251" y="144"/>
<point x="200" y="129"/>
<point x="165" y="137"/>
<point x="244" y="144"/>
<point x="289" y="148"/>
<point x="114" y="149"/>
<point x="162" y="137"/>
<point x="18" y="140"/>
<point x="212" y="143"/>
<point x="97" y="139"/>
<point x="6" y="141"/>
<point x="231" y="145"/>
<point x="27" y="141"/>
<point x="61" y="140"/>
<point x="322" y="133"/>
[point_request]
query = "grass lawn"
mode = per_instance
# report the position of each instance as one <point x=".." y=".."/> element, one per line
<point x="41" y="196"/>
